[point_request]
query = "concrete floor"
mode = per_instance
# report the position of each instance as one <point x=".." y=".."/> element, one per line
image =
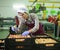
<point x="3" y="34"/>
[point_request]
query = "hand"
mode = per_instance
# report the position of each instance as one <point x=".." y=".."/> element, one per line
<point x="25" y="33"/>
<point x="16" y="29"/>
<point x="12" y="28"/>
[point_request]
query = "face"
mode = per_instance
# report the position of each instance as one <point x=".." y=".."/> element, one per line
<point x="20" y="14"/>
<point x="24" y="15"/>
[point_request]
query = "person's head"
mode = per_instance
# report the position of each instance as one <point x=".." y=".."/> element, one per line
<point x="22" y="11"/>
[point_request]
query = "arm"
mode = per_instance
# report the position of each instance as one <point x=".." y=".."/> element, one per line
<point x="20" y="24"/>
<point x="36" y="27"/>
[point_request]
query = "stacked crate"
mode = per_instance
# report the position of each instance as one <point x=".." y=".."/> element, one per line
<point x="39" y="42"/>
<point x="1" y="44"/>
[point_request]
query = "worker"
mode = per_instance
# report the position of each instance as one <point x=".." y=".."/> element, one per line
<point x="53" y="19"/>
<point x="31" y="21"/>
<point x="50" y="19"/>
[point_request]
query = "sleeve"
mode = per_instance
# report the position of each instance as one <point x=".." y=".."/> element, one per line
<point x="21" y="25"/>
<point x="36" y="25"/>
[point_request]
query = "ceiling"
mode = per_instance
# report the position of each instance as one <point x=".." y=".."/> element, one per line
<point x="45" y="0"/>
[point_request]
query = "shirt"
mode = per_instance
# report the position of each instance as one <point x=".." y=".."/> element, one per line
<point x="50" y="19"/>
<point x="33" y="18"/>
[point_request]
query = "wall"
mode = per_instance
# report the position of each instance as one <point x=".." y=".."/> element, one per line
<point x="6" y="7"/>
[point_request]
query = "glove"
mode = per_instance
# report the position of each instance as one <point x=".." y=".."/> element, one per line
<point x="12" y="28"/>
<point x="15" y="29"/>
<point x="25" y="33"/>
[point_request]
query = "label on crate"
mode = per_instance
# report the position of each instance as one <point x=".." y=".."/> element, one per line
<point x="19" y="46"/>
<point x="49" y="45"/>
<point x="19" y="40"/>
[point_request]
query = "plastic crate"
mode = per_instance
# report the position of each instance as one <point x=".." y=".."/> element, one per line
<point x="48" y="45"/>
<point x="15" y="44"/>
<point x="44" y="47"/>
<point x="29" y="44"/>
<point x="2" y="44"/>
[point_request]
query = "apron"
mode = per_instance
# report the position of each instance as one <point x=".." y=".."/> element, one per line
<point x="38" y="32"/>
<point x="31" y="25"/>
<point x="17" y="21"/>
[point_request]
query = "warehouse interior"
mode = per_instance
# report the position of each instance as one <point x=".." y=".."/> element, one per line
<point x="44" y="9"/>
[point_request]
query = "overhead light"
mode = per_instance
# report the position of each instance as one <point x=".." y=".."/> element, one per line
<point x="17" y="6"/>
